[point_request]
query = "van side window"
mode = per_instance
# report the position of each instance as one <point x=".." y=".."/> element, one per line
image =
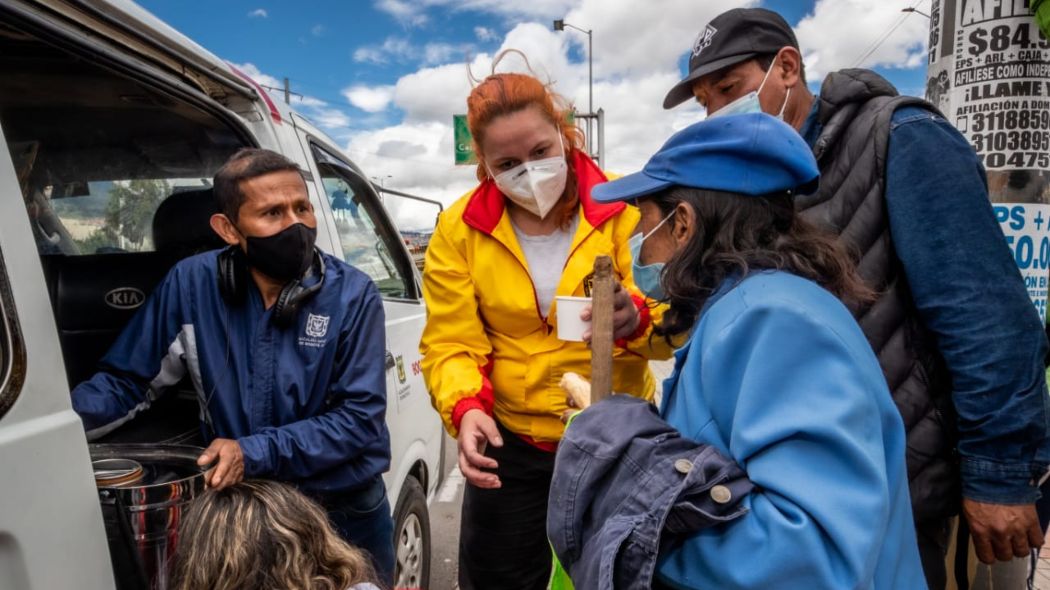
<point x="368" y="242"/>
<point x="415" y="218"/>
<point x="101" y="217"/>
<point x="94" y="165"/>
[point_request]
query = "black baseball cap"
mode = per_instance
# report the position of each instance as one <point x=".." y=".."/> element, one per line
<point x="730" y="38"/>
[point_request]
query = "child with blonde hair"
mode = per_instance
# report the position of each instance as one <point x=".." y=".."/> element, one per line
<point x="264" y="535"/>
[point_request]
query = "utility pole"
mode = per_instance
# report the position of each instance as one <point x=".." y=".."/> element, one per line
<point x="287" y="92"/>
<point x="601" y="138"/>
<point x="560" y="25"/>
<point x="988" y="74"/>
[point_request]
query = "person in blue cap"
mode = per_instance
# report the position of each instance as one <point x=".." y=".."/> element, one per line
<point x="776" y="373"/>
<point x="960" y="342"/>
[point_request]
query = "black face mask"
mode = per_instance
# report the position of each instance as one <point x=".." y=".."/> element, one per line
<point x="284" y="256"/>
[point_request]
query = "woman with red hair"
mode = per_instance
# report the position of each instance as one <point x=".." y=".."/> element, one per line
<point x="491" y="356"/>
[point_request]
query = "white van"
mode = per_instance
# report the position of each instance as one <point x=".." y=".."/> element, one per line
<point x="110" y="123"/>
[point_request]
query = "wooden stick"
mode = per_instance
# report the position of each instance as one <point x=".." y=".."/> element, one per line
<point x="602" y="290"/>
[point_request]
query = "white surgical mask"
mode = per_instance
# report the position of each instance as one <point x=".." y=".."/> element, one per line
<point x="749" y="103"/>
<point x="535" y="186"/>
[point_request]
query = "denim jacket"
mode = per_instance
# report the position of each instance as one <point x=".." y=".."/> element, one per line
<point x="624" y="482"/>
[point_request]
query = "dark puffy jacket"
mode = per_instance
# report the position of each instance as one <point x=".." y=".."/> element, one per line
<point x="854" y="110"/>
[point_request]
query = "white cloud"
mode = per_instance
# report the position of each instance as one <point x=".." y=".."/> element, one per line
<point x="401" y="50"/>
<point x="258" y="13"/>
<point x="414" y="12"/>
<point x="418" y="152"/>
<point x="317" y="30"/>
<point x="439" y="53"/>
<point x="393" y="48"/>
<point x="372" y="99"/>
<point x="417" y="156"/>
<point x="532" y="8"/>
<point x="369" y="54"/>
<point x="637" y="48"/>
<point x="252" y="71"/>
<point x="322" y="113"/>
<point x="434" y="94"/>
<point x="629" y="40"/>
<point x="485" y="34"/>
<point x="407" y="12"/>
<point x="839" y="32"/>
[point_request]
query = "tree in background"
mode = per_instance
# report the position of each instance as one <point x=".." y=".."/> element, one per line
<point x="129" y="213"/>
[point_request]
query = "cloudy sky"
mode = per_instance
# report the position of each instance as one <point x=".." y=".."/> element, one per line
<point x="384" y="77"/>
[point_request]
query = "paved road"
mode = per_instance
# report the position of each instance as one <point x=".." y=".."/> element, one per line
<point x="444" y="524"/>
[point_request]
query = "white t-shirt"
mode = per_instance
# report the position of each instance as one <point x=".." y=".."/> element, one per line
<point x="546" y="257"/>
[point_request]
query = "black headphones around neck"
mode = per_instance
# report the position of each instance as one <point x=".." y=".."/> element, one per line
<point x="234" y="277"/>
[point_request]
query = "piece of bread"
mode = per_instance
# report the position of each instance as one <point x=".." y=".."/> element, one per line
<point x="578" y="388"/>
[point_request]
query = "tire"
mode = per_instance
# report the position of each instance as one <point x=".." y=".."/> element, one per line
<point x="411" y="538"/>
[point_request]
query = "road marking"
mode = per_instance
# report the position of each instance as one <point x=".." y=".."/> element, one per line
<point x="450" y="489"/>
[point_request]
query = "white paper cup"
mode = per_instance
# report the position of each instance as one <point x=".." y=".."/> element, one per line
<point x="570" y="326"/>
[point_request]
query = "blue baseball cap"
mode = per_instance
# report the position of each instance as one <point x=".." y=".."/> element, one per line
<point x="749" y="154"/>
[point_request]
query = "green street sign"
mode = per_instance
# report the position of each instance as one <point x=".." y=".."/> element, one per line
<point x="464" y="147"/>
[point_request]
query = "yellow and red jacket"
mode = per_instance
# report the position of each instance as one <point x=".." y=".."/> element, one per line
<point x="488" y="346"/>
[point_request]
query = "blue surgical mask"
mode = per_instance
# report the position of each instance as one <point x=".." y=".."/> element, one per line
<point x="646" y="277"/>
<point x="749" y="103"/>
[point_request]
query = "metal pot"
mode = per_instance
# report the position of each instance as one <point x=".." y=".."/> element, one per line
<point x="144" y="490"/>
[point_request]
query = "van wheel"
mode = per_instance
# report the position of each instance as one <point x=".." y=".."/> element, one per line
<point x="412" y="537"/>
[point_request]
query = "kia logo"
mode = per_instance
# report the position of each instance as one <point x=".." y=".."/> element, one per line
<point x="125" y="298"/>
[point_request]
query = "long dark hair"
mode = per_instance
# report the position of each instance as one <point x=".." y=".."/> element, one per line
<point x="738" y="234"/>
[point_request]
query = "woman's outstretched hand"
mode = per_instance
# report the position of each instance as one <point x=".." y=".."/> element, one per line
<point x="476" y="431"/>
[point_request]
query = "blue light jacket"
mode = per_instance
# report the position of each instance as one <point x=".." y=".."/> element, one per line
<point x="307" y="403"/>
<point x="778" y="376"/>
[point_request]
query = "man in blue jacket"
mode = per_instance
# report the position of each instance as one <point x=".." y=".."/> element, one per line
<point x="958" y="339"/>
<point x="284" y="346"/>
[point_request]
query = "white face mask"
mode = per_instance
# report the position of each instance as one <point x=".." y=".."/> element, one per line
<point x="535" y="186"/>
<point x="749" y="103"/>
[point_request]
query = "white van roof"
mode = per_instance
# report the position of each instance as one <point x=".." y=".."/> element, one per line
<point x="146" y="34"/>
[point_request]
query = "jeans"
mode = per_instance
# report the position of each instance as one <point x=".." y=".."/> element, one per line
<point x="362" y="518"/>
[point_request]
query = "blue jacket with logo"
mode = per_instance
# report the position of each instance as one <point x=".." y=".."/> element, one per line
<point x="778" y="376"/>
<point x="307" y="403"/>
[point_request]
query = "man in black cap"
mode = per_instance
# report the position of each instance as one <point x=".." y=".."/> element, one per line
<point x="959" y="341"/>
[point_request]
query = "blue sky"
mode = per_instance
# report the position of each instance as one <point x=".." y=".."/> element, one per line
<point x="384" y="76"/>
<point x="313" y="43"/>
